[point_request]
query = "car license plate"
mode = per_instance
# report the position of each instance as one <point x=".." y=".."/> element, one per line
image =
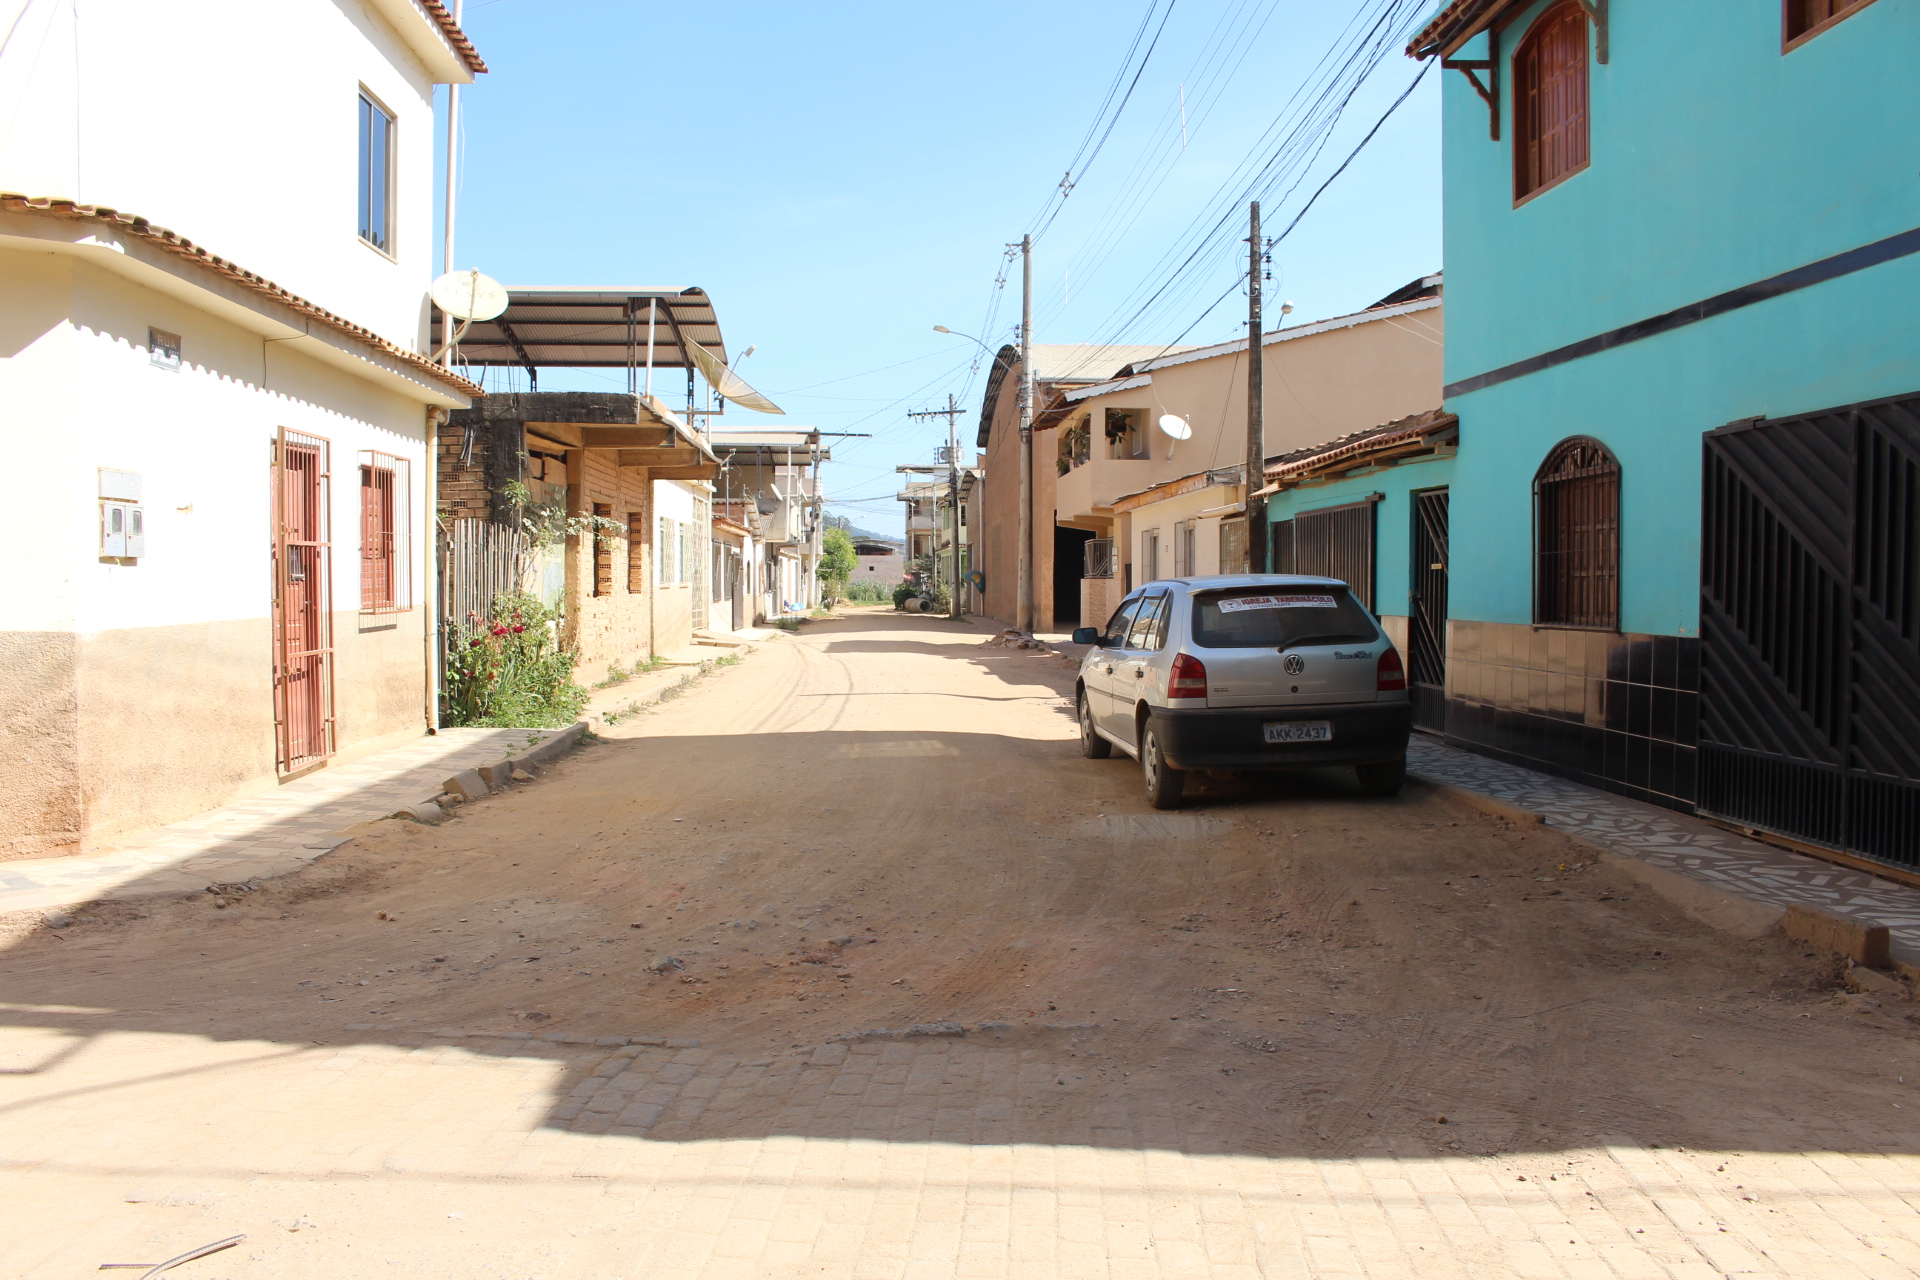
<point x="1300" y="731"/>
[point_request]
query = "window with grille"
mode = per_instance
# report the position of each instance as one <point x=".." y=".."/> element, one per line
<point x="1335" y="542"/>
<point x="636" y="552"/>
<point x="1149" y="556"/>
<point x="1550" y="100"/>
<point x="1576" y="537"/>
<point x="1803" y="19"/>
<point x="1233" y="546"/>
<point x="386" y="578"/>
<point x="376" y="175"/>
<point x="666" y="552"/>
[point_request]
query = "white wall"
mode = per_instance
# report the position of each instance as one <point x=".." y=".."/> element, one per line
<point x="86" y="395"/>
<point x="233" y="123"/>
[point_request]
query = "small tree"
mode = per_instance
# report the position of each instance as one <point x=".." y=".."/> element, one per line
<point x="838" y="560"/>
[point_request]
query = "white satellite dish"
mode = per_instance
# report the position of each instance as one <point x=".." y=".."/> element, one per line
<point x="469" y="296"/>
<point x="1175" y="426"/>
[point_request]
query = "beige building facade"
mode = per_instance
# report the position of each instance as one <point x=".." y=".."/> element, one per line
<point x="1152" y="506"/>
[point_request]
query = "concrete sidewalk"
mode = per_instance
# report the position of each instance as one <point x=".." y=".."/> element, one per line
<point x="1676" y="842"/>
<point x="265" y="834"/>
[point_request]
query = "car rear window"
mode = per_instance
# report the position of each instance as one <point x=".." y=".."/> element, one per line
<point x="1268" y="617"/>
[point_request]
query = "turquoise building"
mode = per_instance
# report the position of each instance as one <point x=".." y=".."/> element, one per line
<point x="1683" y="349"/>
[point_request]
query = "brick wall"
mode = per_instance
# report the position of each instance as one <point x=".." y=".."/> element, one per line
<point x="617" y="626"/>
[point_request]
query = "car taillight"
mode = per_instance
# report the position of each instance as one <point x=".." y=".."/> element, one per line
<point x="1390" y="675"/>
<point x="1188" y="678"/>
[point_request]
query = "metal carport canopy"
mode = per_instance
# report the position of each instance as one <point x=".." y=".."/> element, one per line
<point x="579" y="327"/>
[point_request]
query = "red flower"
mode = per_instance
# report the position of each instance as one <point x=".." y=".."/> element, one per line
<point x="518" y="629"/>
<point x="499" y="630"/>
<point x="474" y="643"/>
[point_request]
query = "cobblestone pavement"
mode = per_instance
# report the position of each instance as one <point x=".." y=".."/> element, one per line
<point x="266" y="834"/>
<point x="896" y="1158"/>
<point x="1679" y="842"/>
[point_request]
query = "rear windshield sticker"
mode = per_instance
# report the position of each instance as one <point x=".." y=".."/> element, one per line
<point x="1239" y="603"/>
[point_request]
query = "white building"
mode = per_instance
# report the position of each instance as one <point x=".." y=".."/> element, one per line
<point x="217" y="540"/>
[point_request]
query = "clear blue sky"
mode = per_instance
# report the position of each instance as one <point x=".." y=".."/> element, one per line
<point x="841" y="177"/>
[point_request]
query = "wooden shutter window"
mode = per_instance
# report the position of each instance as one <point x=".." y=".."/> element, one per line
<point x="1550" y="100"/>
<point x="636" y="552"/>
<point x="1803" y="19"/>
<point x="1576" y="538"/>
<point x="377" y="570"/>
<point x="602" y="552"/>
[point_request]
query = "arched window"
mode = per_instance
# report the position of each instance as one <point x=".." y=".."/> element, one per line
<point x="1576" y="537"/>
<point x="1550" y="100"/>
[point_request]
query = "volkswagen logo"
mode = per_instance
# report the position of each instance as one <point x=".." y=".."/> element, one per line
<point x="1295" y="664"/>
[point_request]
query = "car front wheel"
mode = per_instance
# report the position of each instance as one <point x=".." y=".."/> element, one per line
<point x="1092" y="745"/>
<point x="1382" y="777"/>
<point x="1165" y="784"/>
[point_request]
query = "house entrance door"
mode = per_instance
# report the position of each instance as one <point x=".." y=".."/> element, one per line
<point x="1810" y="627"/>
<point x="1427" y="620"/>
<point x="302" y="602"/>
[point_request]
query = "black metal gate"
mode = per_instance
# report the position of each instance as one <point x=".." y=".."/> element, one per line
<point x="1810" y="627"/>
<point x="1427" y="620"/>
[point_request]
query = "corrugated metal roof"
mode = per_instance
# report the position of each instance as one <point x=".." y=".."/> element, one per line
<point x="590" y="327"/>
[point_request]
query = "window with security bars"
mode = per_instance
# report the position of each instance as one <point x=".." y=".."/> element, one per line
<point x="1550" y="100"/>
<point x="1233" y="546"/>
<point x="386" y="578"/>
<point x="1336" y="542"/>
<point x="602" y="551"/>
<point x="1802" y="19"/>
<point x="666" y="550"/>
<point x="1576" y="537"/>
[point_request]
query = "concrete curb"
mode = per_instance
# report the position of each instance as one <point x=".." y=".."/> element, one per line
<point x="1712" y="905"/>
<point x="484" y="780"/>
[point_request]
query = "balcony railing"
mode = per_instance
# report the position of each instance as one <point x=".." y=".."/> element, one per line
<point x="1099" y="558"/>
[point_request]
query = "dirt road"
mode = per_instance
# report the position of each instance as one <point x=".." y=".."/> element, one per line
<point x="963" y="1005"/>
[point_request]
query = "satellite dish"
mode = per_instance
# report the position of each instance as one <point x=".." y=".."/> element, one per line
<point x="469" y="296"/>
<point x="1175" y="426"/>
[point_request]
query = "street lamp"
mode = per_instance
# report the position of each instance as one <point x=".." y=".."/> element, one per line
<point x="940" y="328"/>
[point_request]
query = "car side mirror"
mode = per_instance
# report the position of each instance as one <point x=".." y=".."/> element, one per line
<point x="1086" y="635"/>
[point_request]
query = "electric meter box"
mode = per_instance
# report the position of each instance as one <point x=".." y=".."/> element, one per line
<point x="123" y="527"/>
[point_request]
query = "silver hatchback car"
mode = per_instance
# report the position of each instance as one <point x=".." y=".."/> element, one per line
<point x="1244" y="672"/>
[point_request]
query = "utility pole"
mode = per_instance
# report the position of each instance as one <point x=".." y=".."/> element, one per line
<point x="453" y="169"/>
<point x="1256" y="479"/>
<point x="1023" y="616"/>
<point x="952" y="414"/>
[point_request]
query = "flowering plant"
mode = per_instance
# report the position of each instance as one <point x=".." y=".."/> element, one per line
<point x="510" y="669"/>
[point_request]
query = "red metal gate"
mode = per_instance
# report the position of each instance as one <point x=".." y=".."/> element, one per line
<point x="302" y="601"/>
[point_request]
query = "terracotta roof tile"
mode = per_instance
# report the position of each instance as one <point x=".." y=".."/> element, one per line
<point x="455" y="36"/>
<point x="180" y="246"/>
<point x="1426" y="423"/>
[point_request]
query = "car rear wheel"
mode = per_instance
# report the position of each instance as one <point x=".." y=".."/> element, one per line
<point x="1165" y="784"/>
<point x="1382" y="777"/>
<point x="1092" y="745"/>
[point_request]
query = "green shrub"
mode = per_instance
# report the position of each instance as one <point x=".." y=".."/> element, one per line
<point x="903" y="593"/>
<point x="867" y="591"/>
<point x="510" y="669"/>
